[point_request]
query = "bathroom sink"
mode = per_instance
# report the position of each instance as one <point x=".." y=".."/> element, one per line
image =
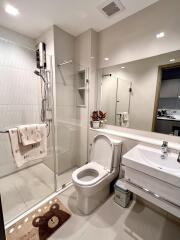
<point x="155" y="179"/>
<point x="148" y="160"/>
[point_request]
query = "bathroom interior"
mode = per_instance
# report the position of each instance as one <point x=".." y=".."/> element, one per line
<point x="90" y="119"/>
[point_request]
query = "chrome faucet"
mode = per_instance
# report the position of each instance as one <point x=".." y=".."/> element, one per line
<point x="164" y="149"/>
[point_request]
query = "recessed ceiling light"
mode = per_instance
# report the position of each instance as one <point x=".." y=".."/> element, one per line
<point x="160" y="35"/>
<point x="172" y="60"/>
<point x="11" y="10"/>
<point x="122" y="67"/>
<point x="106" y="59"/>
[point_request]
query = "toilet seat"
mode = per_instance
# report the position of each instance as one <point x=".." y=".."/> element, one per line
<point x="96" y="170"/>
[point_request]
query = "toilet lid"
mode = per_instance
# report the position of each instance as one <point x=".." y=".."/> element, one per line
<point x="101" y="173"/>
<point x="102" y="151"/>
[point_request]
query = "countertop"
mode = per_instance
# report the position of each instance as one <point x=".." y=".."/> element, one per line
<point x="137" y="137"/>
<point x="176" y="118"/>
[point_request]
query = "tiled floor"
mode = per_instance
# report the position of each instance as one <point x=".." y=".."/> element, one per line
<point x="22" y="190"/>
<point x="111" y="222"/>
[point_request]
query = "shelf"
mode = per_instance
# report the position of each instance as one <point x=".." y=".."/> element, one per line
<point x="81" y="88"/>
<point x="81" y="106"/>
<point x="81" y="78"/>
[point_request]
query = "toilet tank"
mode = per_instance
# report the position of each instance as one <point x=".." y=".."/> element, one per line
<point x="106" y="151"/>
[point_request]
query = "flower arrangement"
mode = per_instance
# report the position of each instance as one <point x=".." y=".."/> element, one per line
<point x="95" y="116"/>
<point x="102" y="116"/>
<point x="98" y="118"/>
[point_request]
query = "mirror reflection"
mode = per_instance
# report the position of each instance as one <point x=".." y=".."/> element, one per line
<point x="143" y="94"/>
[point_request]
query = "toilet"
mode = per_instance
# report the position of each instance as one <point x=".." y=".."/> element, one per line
<point x="92" y="181"/>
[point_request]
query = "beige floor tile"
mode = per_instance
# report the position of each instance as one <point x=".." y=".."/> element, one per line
<point x="112" y="222"/>
<point x="22" y="190"/>
<point x="65" y="177"/>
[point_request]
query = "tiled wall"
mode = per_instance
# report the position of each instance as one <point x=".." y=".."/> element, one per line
<point x="19" y="95"/>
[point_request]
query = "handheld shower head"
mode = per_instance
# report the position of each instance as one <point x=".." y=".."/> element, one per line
<point x="40" y="75"/>
<point x="44" y="94"/>
<point x="37" y="72"/>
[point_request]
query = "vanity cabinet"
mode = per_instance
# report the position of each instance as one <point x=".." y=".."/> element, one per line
<point x="170" y="88"/>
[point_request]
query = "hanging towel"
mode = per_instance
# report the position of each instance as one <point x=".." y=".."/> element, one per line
<point x="124" y="119"/>
<point x="29" y="134"/>
<point x="23" y="154"/>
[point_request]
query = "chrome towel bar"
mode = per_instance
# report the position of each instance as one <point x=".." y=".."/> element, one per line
<point x="155" y="195"/>
<point x="6" y="131"/>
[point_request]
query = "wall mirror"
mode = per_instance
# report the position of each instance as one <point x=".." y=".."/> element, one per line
<point x="143" y="94"/>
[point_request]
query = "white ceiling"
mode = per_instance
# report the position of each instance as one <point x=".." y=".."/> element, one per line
<point x="73" y="16"/>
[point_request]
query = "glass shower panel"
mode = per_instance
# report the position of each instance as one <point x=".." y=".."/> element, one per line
<point x="20" y="104"/>
<point x="71" y="119"/>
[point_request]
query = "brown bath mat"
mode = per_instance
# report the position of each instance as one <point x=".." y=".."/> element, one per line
<point x="41" y="223"/>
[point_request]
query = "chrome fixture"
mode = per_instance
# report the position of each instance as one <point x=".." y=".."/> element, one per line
<point x="40" y="75"/>
<point x="152" y="194"/>
<point x="44" y="92"/>
<point x="60" y="71"/>
<point x="164" y="149"/>
<point x="107" y="75"/>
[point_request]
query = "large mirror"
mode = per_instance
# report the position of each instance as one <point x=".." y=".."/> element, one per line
<point x="144" y="94"/>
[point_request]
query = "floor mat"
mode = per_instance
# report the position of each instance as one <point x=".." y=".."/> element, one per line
<point x="41" y="223"/>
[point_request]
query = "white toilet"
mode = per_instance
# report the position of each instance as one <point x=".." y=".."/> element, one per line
<point x="92" y="181"/>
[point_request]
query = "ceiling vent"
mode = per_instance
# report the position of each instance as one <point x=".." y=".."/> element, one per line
<point x="111" y="7"/>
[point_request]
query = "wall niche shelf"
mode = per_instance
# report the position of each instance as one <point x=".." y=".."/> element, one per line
<point x="81" y="88"/>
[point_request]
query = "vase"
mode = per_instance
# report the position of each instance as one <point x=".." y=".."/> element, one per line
<point x="102" y="123"/>
<point x="95" y="124"/>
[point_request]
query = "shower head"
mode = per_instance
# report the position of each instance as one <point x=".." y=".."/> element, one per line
<point x="37" y="72"/>
<point x="40" y="75"/>
<point x="107" y="75"/>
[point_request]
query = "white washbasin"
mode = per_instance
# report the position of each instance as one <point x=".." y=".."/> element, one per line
<point x="148" y="160"/>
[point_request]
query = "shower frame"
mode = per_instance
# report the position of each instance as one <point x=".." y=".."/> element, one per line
<point x="52" y="123"/>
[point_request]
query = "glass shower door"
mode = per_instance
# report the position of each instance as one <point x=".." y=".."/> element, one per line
<point x="71" y="119"/>
<point x="20" y="103"/>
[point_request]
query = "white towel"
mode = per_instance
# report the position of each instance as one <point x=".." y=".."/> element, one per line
<point x="124" y="119"/>
<point x="23" y="154"/>
<point x="29" y="134"/>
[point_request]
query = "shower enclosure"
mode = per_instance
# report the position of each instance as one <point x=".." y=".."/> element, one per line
<point x="25" y="94"/>
<point x="20" y="104"/>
